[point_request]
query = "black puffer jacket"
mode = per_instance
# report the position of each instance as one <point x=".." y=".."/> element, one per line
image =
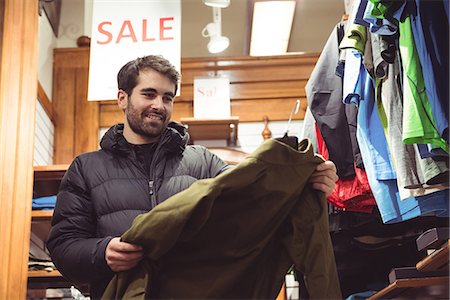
<point x="103" y="191"/>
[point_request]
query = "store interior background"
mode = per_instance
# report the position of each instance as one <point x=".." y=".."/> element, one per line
<point x="312" y="24"/>
<point x="314" y="20"/>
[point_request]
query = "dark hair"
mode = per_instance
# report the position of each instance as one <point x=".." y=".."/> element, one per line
<point x="129" y="73"/>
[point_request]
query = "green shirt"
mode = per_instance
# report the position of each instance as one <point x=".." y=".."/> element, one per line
<point x="419" y="126"/>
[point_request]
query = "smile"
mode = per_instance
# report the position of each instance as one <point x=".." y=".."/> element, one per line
<point x="154" y="117"/>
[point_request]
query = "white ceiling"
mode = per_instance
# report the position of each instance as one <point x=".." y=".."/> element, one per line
<point x="313" y="23"/>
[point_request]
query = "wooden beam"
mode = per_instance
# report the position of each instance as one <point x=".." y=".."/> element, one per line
<point x="45" y="102"/>
<point x="18" y="86"/>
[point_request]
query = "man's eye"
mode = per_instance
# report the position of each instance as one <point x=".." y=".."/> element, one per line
<point x="150" y="95"/>
<point x="168" y="98"/>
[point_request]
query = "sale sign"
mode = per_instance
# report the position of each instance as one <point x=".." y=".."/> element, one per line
<point x="123" y="30"/>
<point x="212" y="98"/>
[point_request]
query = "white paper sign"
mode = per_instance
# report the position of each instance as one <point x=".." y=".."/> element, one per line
<point x="212" y="98"/>
<point x="123" y="30"/>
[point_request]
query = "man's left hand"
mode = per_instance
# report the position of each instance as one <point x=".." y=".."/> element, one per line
<point x="324" y="177"/>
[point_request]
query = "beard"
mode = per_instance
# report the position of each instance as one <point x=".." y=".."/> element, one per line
<point x="142" y="125"/>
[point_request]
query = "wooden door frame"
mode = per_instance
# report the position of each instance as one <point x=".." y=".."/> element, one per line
<point x="18" y="86"/>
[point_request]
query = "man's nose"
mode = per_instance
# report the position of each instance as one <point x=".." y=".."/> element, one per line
<point x="158" y="103"/>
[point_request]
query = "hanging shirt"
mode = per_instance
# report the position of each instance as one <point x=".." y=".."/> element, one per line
<point x="349" y="194"/>
<point x="430" y="28"/>
<point x="363" y="89"/>
<point x="419" y="126"/>
<point x="413" y="172"/>
<point x="431" y="151"/>
<point x="374" y="16"/>
<point x="324" y="94"/>
<point x="371" y="142"/>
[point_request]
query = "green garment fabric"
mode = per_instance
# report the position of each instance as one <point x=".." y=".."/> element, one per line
<point x="379" y="9"/>
<point x="355" y="38"/>
<point x="235" y="236"/>
<point x="418" y="122"/>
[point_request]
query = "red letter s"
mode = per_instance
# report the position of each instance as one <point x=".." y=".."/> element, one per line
<point x="103" y="31"/>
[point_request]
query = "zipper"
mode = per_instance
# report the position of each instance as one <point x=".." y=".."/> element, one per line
<point x="151" y="191"/>
<point x="151" y="175"/>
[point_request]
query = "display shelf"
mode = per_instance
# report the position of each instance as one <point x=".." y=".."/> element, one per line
<point x="438" y="260"/>
<point x="43" y="273"/>
<point x="46" y="183"/>
<point x="47" y="179"/>
<point x="212" y="129"/>
<point x="415" y="288"/>
<point x="41" y="215"/>
<point x="50" y="172"/>
<point x="427" y="280"/>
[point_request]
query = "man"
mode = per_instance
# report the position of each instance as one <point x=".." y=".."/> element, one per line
<point x="141" y="163"/>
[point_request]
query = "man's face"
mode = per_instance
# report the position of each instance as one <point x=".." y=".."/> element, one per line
<point x="149" y="107"/>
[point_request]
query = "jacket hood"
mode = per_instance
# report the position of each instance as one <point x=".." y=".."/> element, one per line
<point x="173" y="139"/>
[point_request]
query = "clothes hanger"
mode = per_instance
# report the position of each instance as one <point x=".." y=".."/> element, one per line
<point x="291" y="140"/>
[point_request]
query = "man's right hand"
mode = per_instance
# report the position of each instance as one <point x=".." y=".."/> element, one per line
<point x="121" y="256"/>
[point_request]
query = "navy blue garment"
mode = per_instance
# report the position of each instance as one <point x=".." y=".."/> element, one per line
<point x="427" y="150"/>
<point x="429" y="24"/>
<point x="446" y="6"/>
<point x="359" y="17"/>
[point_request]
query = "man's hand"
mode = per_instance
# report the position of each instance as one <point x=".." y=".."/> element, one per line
<point x="324" y="177"/>
<point x="121" y="256"/>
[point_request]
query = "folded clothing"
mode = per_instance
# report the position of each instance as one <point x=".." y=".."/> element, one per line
<point x="44" y="202"/>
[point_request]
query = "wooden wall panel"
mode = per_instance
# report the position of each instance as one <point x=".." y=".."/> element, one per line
<point x="182" y="109"/>
<point x="259" y="86"/>
<point x="275" y="109"/>
<point x="87" y="115"/>
<point x="109" y="114"/>
<point x="255" y="90"/>
<point x="249" y="71"/>
<point x="64" y="112"/>
<point x="18" y="86"/>
<point x="76" y="119"/>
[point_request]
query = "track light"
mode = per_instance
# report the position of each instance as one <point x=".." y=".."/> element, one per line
<point x="217" y="42"/>
<point x="217" y="3"/>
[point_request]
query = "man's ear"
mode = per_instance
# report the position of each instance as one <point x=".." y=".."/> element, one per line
<point x="122" y="99"/>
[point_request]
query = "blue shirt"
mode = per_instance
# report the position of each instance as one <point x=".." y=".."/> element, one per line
<point x="372" y="143"/>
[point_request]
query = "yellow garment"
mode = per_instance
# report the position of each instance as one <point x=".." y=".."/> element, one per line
<point x="235" y="236"/>
<point x="355" y="38"/>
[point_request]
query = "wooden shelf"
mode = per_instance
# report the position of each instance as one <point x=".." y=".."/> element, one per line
<point x="213" y="129"/>
<point x="429" y="281"/>
<point x="47" y="179"/>
<point x="415" y="288"/>
<point x="50" y="172"/>
<point x="43" y="273"/>
<point x="41" y="215"/>
<point x="438" y="260"/>
<point x="46" y="183"/>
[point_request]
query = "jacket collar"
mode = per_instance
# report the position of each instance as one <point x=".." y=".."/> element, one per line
<point x="173" y="140"/>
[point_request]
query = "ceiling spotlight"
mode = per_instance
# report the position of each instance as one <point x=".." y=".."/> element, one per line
<point x="217" y="3"/>
<point x="217" y="42"/>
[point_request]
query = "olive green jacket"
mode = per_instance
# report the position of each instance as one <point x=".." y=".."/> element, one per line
<point x="235" y="236"/>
